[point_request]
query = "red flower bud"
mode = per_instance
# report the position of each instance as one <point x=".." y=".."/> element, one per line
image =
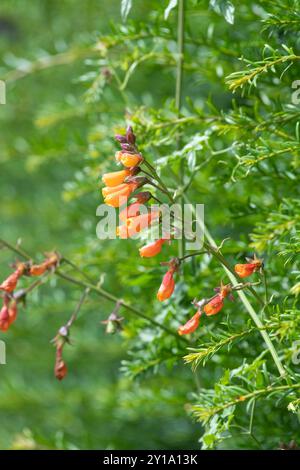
<point x="60" y="369"/>
<point x="167" y="286"/>
<point x="214" y="305"/>
<point x="191" y="325"/>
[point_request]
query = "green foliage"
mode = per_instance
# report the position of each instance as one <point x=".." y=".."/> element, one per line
<point x="73" y="80"/>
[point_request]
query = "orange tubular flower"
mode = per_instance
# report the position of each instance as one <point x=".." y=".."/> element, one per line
<point x="214" y="305"/>
<point x="191" y="325"/>
<point x="167" y="286"/>
<point x="11" y="282"/>
<point x="152" y="249"/>
<point x="246" y="269"/>
<point x="117" y="198"/>
<point x="140" y="222"/>
<point x="60" y="369"/>
<point x="128" y="159"/>
<point x="131" y="211"/>
<point x="115" y="178"/>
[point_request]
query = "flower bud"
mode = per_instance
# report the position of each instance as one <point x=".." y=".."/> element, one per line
<point x="121" y="138"/>
<point x="130" y="135"/>
<point x="138" y="180"/>
<point x="60" y="369"/>
<point x="143" y="197"/>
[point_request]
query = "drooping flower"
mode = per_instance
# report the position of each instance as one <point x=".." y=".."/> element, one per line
<point x="118" y="197"/>
<point x="167" y="286"/>
<point x="60" y="369"/>
<point x="214" y="305"/>
<point x="115" y="178"/>
<point x="191" y="325"/>
<point x="152" y="249"/>
<point x="9" y="284"/>
<point x="140" y="222"/>
<point x="129" y="160"/>
<point x="246" y="269"/>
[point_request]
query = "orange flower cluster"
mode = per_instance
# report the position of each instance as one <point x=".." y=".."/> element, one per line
<point x="9" y="311"/>
<point x="216" y="303"/>
<point x="210" y="307"/>
<point x="121" y="184"/>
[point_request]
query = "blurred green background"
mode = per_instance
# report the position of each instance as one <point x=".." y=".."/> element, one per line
<point x="94" y="408"/>
<point x="75" y="73"/>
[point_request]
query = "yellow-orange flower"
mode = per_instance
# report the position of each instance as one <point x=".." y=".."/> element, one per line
<point x="115" y="178"/>
<point x="128" y="159"/>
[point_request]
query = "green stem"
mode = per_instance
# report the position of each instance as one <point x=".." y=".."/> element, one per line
<point x="99" y="290"/>
<point x="240" y="293"/>
<point x="178" y="100"/>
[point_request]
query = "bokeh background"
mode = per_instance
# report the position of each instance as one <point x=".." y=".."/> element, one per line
<point x="75" y="73"/>
<point x="94" y="408"/>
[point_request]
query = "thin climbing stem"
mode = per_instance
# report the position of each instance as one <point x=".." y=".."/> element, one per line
<point x="88" y="284"/>
<point x="178" y="100"/>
